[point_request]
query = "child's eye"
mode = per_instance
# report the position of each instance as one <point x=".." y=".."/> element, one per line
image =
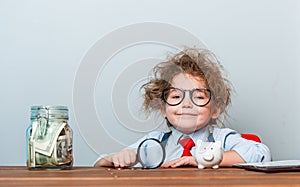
<point x="176" y="97"/>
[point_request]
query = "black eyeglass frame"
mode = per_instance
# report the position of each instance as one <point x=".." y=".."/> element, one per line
<point x="183" y="96"/>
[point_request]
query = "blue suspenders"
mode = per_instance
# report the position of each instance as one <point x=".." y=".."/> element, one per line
<point x="165" y="138"/>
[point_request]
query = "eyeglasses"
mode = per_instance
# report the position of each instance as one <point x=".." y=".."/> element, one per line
<point x="199" y="96"/>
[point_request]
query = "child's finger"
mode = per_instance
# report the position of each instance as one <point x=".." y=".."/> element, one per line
<point x="169" y="164"/>
<point x="116" y="161"/>
<point x="122" y="161"/>
<point x="127" y="159"/>
<point x="132" y="158"/>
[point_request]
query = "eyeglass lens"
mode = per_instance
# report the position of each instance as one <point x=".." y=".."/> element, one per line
<point x="199" y="96"/>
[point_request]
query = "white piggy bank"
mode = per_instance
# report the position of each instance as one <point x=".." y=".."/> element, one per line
<point x="208" y="154"/>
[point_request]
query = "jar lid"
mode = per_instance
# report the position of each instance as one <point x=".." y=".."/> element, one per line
<point x="55" y="107"/>
<point x="59" y="112"/>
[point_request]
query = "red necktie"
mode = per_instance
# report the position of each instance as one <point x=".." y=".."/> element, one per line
<point x="187" y="144"/>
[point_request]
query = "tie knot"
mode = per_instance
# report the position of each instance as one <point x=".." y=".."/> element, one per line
<point x="187" y="143"/>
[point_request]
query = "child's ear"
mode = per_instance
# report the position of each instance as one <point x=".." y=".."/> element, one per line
<point x="216" y="113"/>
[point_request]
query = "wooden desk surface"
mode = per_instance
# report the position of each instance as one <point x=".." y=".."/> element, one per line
<point x="90" y="176"/>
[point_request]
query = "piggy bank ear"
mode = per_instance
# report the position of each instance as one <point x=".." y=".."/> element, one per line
<point x="218" y="143"/>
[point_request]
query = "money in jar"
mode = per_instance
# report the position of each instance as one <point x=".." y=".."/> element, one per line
<point x="49" y="138"/>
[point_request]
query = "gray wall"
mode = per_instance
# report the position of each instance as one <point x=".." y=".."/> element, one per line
<point x="45" y="45"/>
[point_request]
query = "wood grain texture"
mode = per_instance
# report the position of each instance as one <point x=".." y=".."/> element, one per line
<point x="90" y="176"/>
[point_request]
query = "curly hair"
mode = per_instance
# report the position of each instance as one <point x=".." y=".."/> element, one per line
<point x="196" y="62"/>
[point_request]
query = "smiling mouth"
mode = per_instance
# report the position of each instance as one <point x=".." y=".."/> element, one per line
<point x="187" y="114"/>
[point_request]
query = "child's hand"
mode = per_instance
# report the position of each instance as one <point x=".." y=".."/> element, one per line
<point x="183" y="161"/>
<point x="123" y="158"/>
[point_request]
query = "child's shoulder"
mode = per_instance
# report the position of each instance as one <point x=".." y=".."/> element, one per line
<point x="224" y="131"/>
<point x="155" y="134"/>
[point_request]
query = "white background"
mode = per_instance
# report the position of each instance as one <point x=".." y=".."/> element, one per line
<point x="43" y="42"/>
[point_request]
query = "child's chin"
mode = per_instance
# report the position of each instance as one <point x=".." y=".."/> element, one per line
<point x="187" y="128"/>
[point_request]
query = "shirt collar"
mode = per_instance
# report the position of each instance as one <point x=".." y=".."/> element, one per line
<point x="200" y="134"/>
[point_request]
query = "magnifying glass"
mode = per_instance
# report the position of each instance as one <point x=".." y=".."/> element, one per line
<point x="151" y="153"/>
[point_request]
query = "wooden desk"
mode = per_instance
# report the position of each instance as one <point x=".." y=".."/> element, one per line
<point x="89" y="176"/>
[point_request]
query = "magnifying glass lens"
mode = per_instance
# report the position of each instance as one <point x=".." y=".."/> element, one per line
<point x="151" y="153"/>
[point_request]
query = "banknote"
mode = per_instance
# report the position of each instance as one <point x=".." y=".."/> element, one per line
<point x="31" y="154"/>
<point x="62" y="151"/>
<point x="45" y="136"/>
<point x="49" y="144"/>
<point x="61" y="155"/>
<point x="43" y="160"/>
<point x="33" y="129"/>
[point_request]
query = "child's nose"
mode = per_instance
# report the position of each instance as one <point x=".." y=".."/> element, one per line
<point x="187" y="102"/>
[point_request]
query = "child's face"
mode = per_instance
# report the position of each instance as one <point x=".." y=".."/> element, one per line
<point x="187" y="117"/>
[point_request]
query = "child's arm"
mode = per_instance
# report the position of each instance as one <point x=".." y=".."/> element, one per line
<point x="229" y="158"/>
<point x="121" y="159"/>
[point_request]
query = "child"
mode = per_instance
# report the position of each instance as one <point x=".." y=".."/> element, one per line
<point x="192" y="94"/>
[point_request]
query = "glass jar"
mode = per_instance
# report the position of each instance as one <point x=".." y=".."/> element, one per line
<point x="49" y="138"/>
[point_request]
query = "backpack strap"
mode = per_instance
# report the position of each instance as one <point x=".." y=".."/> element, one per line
<point x="210" y="137"/>
<point x="165" y="138"/>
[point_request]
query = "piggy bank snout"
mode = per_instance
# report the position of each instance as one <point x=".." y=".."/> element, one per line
<point x="208" y="157"/>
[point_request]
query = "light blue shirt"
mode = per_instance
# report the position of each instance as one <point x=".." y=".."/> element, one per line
<point x="249" y="150"/>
